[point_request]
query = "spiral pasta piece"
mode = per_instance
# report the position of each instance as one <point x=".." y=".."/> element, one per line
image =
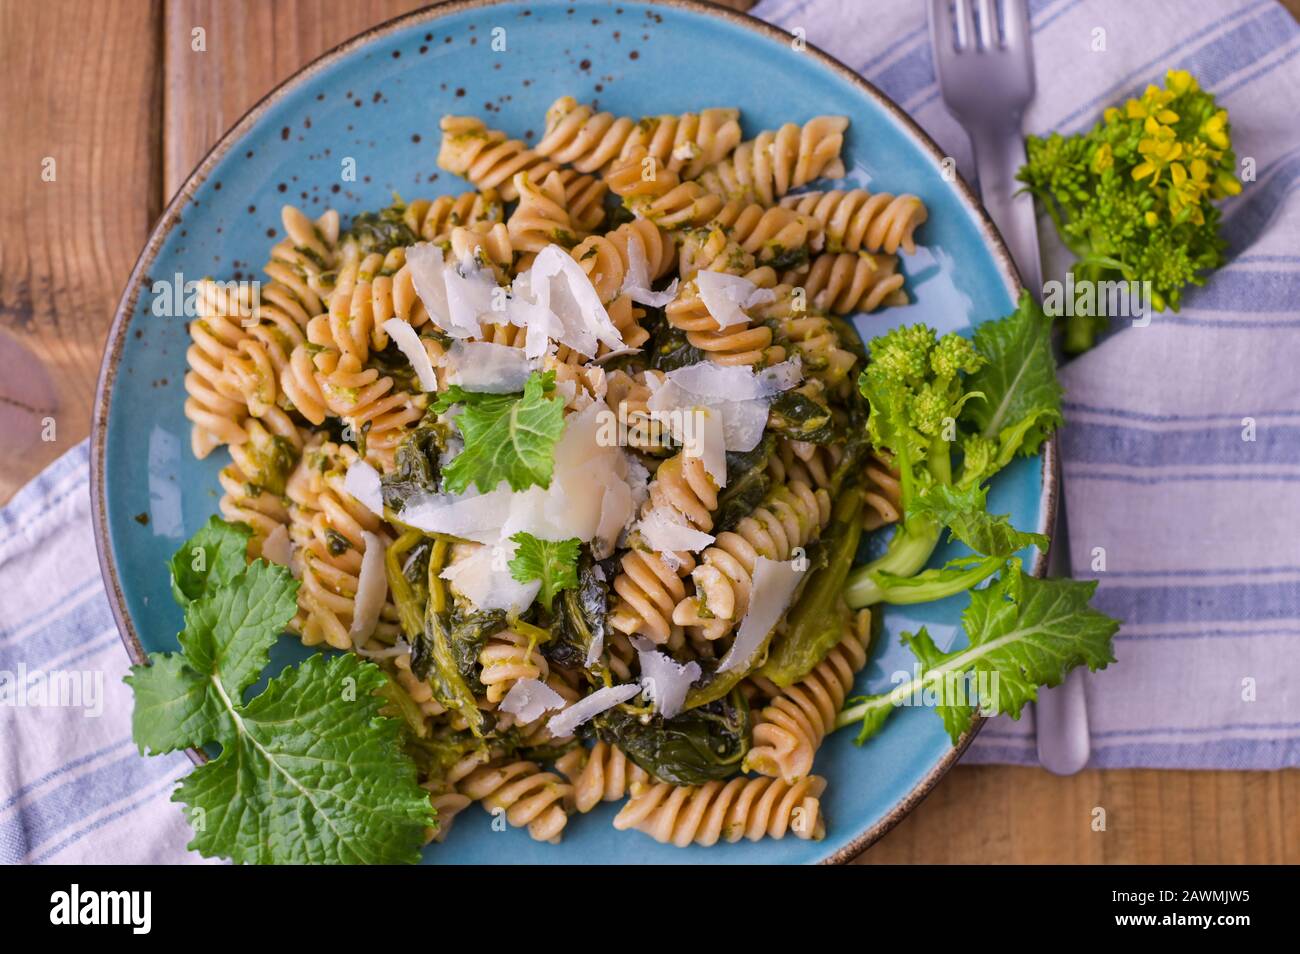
<point x="540" y="219"/>
<point x="303" y="262"/>
<point x="776" y="236"/>
<point x="602" y="773"/>
<point x="433" y="219"/>
<point x="335" y="382"/>
<point x="506" y="658"/>
<point x="854" y="281"/>
<point x="254" y="481"/>
<point x="525" y="794"/>
<point x="326" y="526"/>
<point x="589" y="141"/>
<point x="751" y="808"/>
<point x="791" y="516"/>
<point x="882" y="494"/>
<point x="214" y="403"/>
<point x="789" y="729"/>
<point x="862" y="221"/>
<point x="774" y="162"/>
<point x="486" y="158"/>
<point x="653" y="191"/>
<point x="743" y="343"/>
<point x="447" y="804"/>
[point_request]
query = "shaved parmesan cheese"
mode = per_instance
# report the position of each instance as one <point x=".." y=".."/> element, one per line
<point x="529" y="698"/>
<point x="589" y="706"/>
<point x="710" y="443"/>
<point x="664" y="680"/>
<point x="409" y="343"/>
<point x="666" y="531"/>
<point x="277" y="547"/>
<point x="712" y="382"/>
<point x="470" y="296"/>
<point x="372" y="590"/>
<point x="487" y="367"/>
<point x="636" y="281"/>
<point x="773" y="585"/>
<point x="558" y="284"/>
<point x="425" y="263"/>
<point x="739" y="395"/>
<point x="362" y="482"/>
<point x="725" y="295"/>
<point x="482" y="576"/>
<point x="470" y="516"/>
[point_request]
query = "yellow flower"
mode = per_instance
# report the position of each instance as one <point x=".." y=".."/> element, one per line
<point x="1152" y="102"/>
<point x="1102" y="159"/>
<point x="1214" y="130"/>
<point x="1180" y="82"/>
<point x="1225" y="183"/>
<point x="1160" y="149"/>
<point x="1151" y="219"/>
<point x="1110" y="115"/>
<point x="1186" y="189"/>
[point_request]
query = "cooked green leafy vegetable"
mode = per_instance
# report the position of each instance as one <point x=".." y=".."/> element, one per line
<point x="343" y="792"/>
<point x="800" y="416"/>
<point x="554" y="563"/>
<point x="693" y="747"/>
<point x="748" y="481"/>
<point x="508" y="437"/>
<point x="992" y="399"/>
<point x="1133" y="197"/>
<point x="415" y="466"/>
<point x="1023" y="633"/>
<point x="581" y="616"/>
<point x="815" y="624"/>
<point x="381" y="231"/>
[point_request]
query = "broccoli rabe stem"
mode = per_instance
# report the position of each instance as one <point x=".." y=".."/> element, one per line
<point x="914" y="539"/>
<point x="867" y="589"/>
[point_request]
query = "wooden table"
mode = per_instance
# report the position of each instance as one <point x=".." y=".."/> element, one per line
<point x="112" y="92"/>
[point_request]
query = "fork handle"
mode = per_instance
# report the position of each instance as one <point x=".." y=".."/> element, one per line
<point x="999" y="152"/>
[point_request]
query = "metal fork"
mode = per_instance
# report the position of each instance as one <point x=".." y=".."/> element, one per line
<point x="985" y="65"/>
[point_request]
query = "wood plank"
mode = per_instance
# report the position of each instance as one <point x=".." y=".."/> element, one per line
<point x="88" y="100"/>
<point x="1006" y="815"/>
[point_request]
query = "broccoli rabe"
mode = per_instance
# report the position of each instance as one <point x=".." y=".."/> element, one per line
<point x="1132" y="197"/>
<point x="950" y="412"/>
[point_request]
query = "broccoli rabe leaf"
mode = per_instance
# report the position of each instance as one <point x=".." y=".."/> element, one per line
<point x="213" y="556"/>
<point x="555" y="563"/>
<point x="508" y="437"/>
<point x="309" y="770"/>
<point x="1022" y="398"/>
<point x="964" y="512"/>
<point x="1023" y="633"/>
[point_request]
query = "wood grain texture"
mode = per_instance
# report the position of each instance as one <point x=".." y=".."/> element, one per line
<point x="127" y="125"/>
<point x="80" y="106"/>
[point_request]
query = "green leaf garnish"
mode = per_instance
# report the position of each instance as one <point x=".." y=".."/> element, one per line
<point x="554" y="563"/>
<point x="309" y="770"/>
<point x="508" y="437"/>
<point x="1023" y="632"/>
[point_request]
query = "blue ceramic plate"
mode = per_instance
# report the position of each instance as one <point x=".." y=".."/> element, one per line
<point x="378" y="99"/>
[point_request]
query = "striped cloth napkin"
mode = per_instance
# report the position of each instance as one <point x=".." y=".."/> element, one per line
<point x="1198" y="525"/>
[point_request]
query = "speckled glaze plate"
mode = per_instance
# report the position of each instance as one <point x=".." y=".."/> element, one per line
<point x="377" y="99"/>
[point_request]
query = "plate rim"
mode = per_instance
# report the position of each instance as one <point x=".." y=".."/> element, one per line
<point x="169" y="219"/>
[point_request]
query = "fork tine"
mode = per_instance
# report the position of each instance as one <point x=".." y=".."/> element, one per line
<point x="988" y="24"/>
<point x="942" y="37"/>
<point x="965" y="25"/>
<point x="1015" y="23"/>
